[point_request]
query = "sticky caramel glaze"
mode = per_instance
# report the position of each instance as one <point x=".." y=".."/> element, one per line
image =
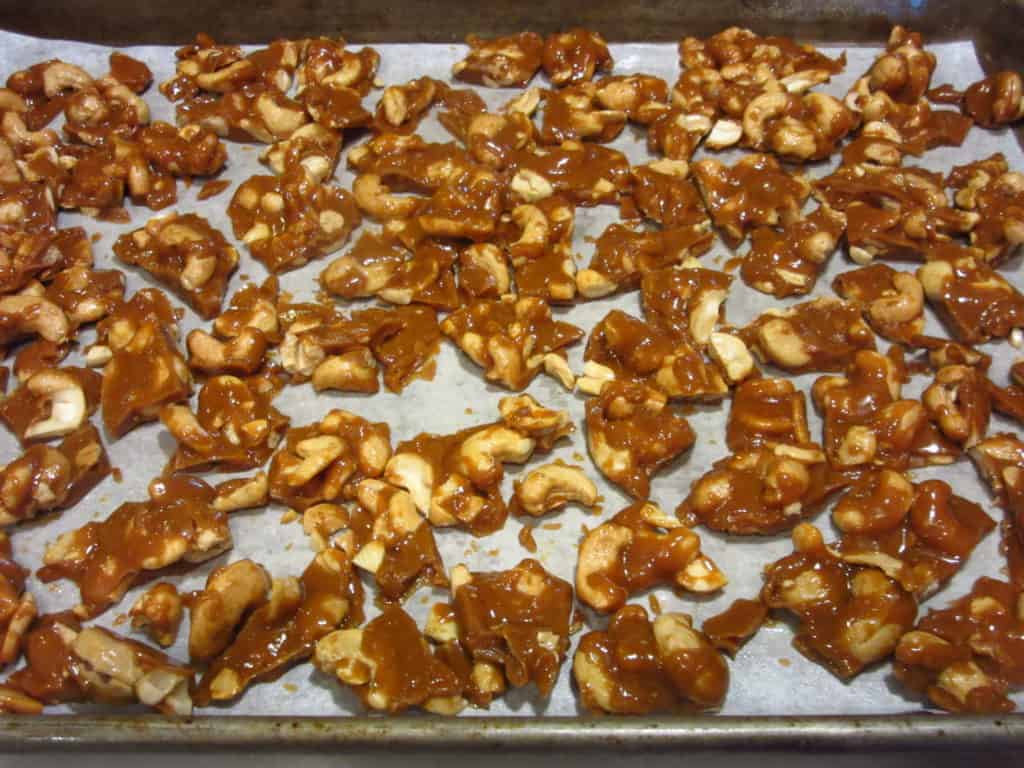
<point x="406" y="672"/>
<point x="337" y="108"/>
<point x="1000" y="461"/>
<point x="729" y="630"/>
<point x="926" y="545"/>
<point x="670" y="297"/>
<point x="787" y="262"/>
<point x="625" y="670"/>
<point x="623" y="421"/>
<point x="996" y="100"/>
<point x="629" y="554"/>
<point x="945" y="94"/>
<point x="338" y="477"/>
<point x="766" y="412"/>
<point x="45" y="479"/>
<point x="782" y="55"/>
<point x="966" y="657"/>
<point x="167" y="249"/>
<point x="574" y="56"/>
<point x="630" y="347"/>
<point x="284" y="631"/>
<point x="761" y="491"/>
<point x="323" y="59"/>
<point x="409" y="352"/>
<point x="669" y="200"/>
<point x="624" y="255"/>
<point x="247" y="301"/>
<point x="509" y="61"/>
<point x="24" y="408"/>
<point x="47" y="674"/>
<point x="289" y="212"/>
<point x="33" y="204"/>
<point x="584" y="173"/>
<point x="130" y="72"/>
<point x="242" y="427"/>
<point x="106" y="558"/>
<point x="146" y="371"/>
<point x="507" y="617"/>
<point x="879" y="282"/>
<point x="442" y="453"/>
<point x="186" y="152"/>
<point x="754" y="192"/>
<point x="850" y="617"/>
<point x="976" y="302"/>
<point x="573" y="114"/>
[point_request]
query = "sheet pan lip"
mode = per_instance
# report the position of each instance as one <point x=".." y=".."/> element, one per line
<point x="918" y="731"/>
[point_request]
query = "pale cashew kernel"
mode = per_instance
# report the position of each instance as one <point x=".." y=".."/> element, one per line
<point x="552" y="486"/>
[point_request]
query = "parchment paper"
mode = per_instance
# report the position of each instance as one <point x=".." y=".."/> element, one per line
<point x="768" y="677"/>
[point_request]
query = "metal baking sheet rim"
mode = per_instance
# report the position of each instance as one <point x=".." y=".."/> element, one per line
<point x="919" y="731"/>
<point x="922" y="732"/>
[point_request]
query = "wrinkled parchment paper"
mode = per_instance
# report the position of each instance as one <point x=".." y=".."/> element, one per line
<point x="768" y="677"/>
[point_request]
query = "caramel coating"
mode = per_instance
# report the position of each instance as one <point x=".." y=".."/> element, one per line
<point x="639" y="548"/>
<point x="516" y="620"/>
<point x="285" y="630"/>
<point x="501" y="62"/>
<point x="966" y="657"/>
<point x="509" y="338"/>
<point x="44" y="479"/>
<point x="17" y="606"/>
<point x="632" y="434"/>
<point x="574" y="56"/>
<point x="761" y="490"/>
<point x="1000" y="461"/>
<point x="850" y="616"/>
<point x="639" y="667"/>
<point x="187" y="255"/>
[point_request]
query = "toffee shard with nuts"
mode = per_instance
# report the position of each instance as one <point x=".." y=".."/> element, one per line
<point x="996" y="194"/>
<point x="50" y="403"/>
<point x="1000" y="461"/>
<point x="393" y="541"/>
<point x="641" y="547"/>
<point x="919" y="534"/>
<point x="968" y="656"/>
<point x="869" y="423"/>
<point x="242" y="333"/>
<point x="762" y="490"/>
<point x="850" y="616"/>
<point x="284" y="631"/>
<point x="391" y="666"/>
<point x="44" y="479"/>
<point x="187" y="255"/>
<point x="319" y="462"/>
<point x="510" y="338"/>
<point x="637" y="666"/>
<point x="144" y="370"/>
<point x="233" y="428"/>
<point x="17" y="605"/>
<point x="632" y="434"/>
<point x="455" y="480"/>
<point x="624" y="348"/>
<point x="517" y="620"/>
<point x="181" y="522"/>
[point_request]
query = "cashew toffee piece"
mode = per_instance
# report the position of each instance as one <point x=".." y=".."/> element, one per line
<point x="471" y="238"/>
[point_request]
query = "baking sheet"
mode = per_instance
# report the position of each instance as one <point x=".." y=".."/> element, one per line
<point x="768" y="677"/>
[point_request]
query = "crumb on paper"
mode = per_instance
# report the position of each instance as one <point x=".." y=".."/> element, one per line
<point x="290" y="687"/>
<point x="120" y="619"/>
<point x="784" y="662"/>
<point x="526" y="539"/>
<point x="577" y="456"/>
<point x="117" y="475"/>
<point x="652" y="600"/>
<point x="492" y="552"/>
<point x="289" y="516"/>
<point x="468" y="411"/>
<point x="552" y="526"/>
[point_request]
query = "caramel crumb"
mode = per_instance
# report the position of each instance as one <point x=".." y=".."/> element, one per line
<point x="785" y="662"/>
<point x="290" y="687"/>
<point x="493" y="552"/>
<point x="577" y="456"/>
<point x="117" y="475"/>
<point x="468" y="411"/>
<point x="652" y="600"/>
<point x="120" y="619"/>
<point x="289" y="516"/>
<point x="526" y="539"/>
<point x="212" y="188"/>
<point x="552" y="526"/>
<point x="288" y="547"/>
<point x="96" y="237"/>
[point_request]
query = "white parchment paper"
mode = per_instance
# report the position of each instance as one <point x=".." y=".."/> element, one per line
<point x="768" y="677"/>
